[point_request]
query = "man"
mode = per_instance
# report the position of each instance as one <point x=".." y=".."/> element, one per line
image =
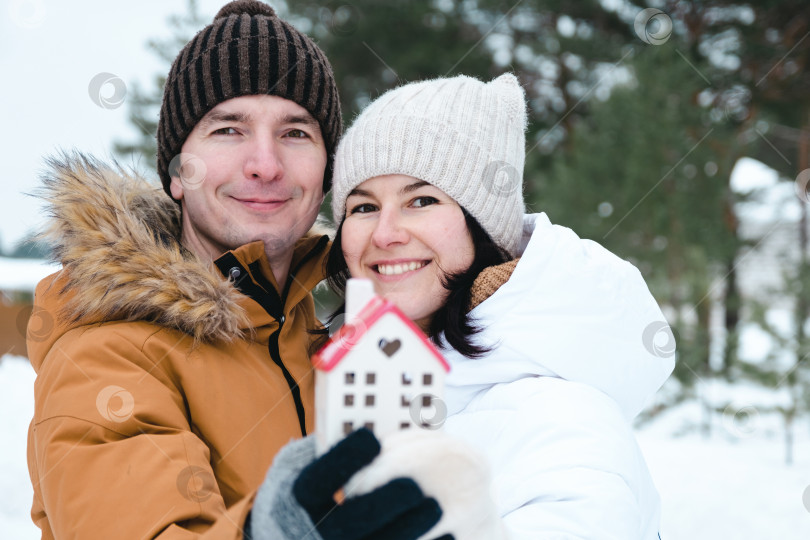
<point x="172" y="349"/>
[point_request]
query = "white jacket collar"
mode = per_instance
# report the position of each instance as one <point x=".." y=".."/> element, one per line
<point x="572" y="310"/>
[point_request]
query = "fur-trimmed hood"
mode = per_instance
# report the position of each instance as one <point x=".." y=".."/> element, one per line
<point x="117" y="238"/>
<point x="125" y="394"/>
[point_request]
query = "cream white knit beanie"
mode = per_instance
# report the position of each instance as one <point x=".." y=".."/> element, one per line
<point x="462" y="135"/>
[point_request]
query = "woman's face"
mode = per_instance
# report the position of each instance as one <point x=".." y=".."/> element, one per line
<point x="404" y="235"/>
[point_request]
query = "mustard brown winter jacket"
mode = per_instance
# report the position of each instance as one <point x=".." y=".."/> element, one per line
<point x="164" y="388"/>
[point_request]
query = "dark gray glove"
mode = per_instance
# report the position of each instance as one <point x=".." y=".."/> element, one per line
<point x="295" y="502"/>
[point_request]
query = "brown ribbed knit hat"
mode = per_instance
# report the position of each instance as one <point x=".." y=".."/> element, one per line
<point x="247" y="50"/>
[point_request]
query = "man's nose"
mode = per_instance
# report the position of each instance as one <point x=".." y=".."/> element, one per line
<point x="263" y="161"/>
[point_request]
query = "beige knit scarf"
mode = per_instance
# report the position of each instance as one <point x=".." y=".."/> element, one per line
<point x="490" y="280"/>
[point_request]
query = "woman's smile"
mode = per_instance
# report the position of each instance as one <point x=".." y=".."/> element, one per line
<point x="398" y="269"/>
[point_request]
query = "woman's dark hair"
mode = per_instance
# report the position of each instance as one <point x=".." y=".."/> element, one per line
<point x="452" y="319"/>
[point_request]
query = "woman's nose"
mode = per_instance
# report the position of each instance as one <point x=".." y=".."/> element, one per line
<point x="390" y="229"/>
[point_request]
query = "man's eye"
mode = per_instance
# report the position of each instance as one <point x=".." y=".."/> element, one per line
<point x="421" y="202"/>
<point x="224" y="131"/>
<point x="364" y="208"/>
<point x="297" y="134"/>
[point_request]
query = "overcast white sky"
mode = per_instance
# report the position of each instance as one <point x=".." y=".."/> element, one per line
<point x="50" y="50"/>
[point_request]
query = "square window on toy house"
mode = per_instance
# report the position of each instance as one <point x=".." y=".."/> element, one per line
<point x="371" y="378"/>
<point x="404" y="425"/>
<point x="369" y="425"/>
<point x="347" y="428"/>
<point x="406" y="379"/>
<point x="370" y="400"/>
<point x="405" y="402"/>
<point x="426" y="400"/>
<point x="427" y="379"/>
<point x="350" y="378"/>
<point x="348" y="400"/>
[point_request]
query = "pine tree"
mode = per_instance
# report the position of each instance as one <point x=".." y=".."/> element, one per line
<point x="762" y="51"/>
<point x="641" y="177"/>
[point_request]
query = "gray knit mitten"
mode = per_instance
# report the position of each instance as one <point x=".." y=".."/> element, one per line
<point x="276" y="515"/>
<point x="296" y="500"/>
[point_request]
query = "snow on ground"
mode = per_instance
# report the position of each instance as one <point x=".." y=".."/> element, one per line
<point x="733" y="485"/>
<point x="719" y="490"/>
<point x="16" y="411"/>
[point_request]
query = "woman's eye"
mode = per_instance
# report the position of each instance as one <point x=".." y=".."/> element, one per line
<point x="225" y="131"/>
<point x="421" y="202"/>
<point x="364" y="208"/>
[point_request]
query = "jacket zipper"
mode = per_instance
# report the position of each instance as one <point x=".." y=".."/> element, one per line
<point x="267" y="297"/>
<point x="275" y="354"/>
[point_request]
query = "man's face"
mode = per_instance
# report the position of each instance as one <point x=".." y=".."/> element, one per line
<point x="251" y="169"/>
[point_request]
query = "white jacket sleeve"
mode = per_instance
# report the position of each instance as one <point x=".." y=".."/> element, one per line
<point x="565" y="462"/>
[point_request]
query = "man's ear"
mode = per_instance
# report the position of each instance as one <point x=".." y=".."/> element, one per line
<point x="176" y="188"/>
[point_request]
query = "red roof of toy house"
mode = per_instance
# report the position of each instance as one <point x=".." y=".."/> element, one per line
<point x="341" y="343"/>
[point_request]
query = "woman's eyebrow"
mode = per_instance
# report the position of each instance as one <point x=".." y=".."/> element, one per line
<point x="407" y="189"/>
<point x="359" y="192"/>
<point x="413" y="187"/>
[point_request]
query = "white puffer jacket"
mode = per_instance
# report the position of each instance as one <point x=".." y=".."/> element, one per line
<point x="580" y="347"/>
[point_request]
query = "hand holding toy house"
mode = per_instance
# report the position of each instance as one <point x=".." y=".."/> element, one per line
<point x="378" y="371"/>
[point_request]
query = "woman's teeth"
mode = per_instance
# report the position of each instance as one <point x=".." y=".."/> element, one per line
<point x="395" y="269"/>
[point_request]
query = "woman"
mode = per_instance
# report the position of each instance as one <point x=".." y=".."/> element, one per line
<point x="547" y="335"/>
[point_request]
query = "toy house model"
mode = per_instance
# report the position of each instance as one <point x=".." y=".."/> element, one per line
<point x="378" y="371"/>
